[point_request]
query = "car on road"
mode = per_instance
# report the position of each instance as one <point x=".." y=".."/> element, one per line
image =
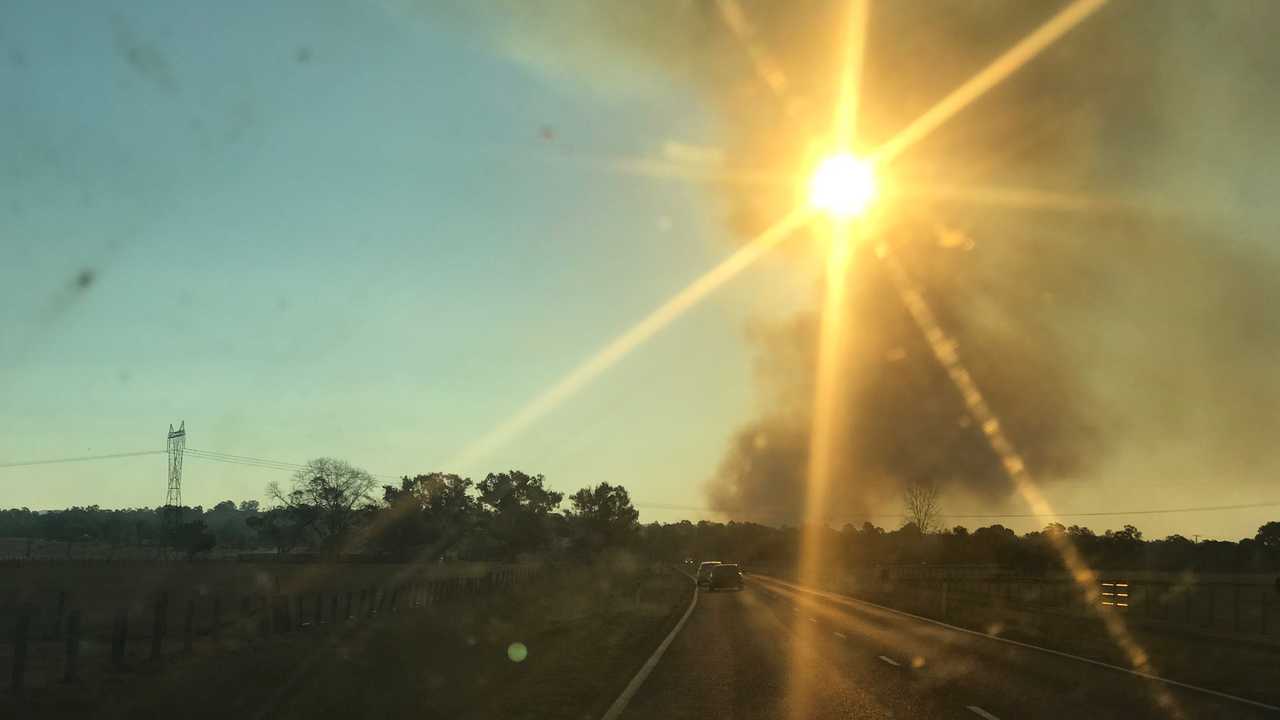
<point x="704" y="571"/>
<point x="725" y="576"/>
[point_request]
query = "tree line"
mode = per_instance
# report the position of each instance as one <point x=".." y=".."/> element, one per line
<point x="331" y="508"/>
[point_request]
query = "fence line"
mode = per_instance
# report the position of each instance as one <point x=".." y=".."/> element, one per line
<point x="1223" y="609"/>
<point x="261" y="615"/>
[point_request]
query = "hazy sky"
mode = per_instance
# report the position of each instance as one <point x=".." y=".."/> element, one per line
<point x="375" y="230"/>
<point x="329" y="229"/>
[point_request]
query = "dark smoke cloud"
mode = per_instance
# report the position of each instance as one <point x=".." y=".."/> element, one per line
<point x="1128" y="346"/>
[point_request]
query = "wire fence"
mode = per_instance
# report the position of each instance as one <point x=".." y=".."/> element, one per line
<point x="58" y="636"/>
<point x="1222" y="609"/>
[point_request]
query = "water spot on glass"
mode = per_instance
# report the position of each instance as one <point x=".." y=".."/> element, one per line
<point x="517" y="652"/>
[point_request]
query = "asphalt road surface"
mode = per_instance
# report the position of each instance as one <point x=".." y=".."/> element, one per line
<point x="773" y="651"/>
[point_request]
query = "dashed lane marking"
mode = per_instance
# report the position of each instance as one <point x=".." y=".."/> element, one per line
<point x="981" y="713"/>
<point x="890" y="660"/>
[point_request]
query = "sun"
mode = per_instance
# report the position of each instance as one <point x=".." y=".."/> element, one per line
<point x="843" y="186"/>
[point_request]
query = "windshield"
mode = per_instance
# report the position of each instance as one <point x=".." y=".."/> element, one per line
<point x="379" y="358"/>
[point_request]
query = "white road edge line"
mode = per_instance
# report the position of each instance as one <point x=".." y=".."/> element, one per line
<point x="1059" y="653"/>
<point x="890" y="660"/>
<point x="980" y="712"/>
<point x="842" y="636"/>
<point x="615" y="710"/>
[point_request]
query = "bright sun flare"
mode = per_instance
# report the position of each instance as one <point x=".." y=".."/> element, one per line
<point x="843" y="185"/>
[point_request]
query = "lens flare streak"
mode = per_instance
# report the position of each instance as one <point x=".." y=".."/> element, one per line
<point x="944" y="350"/>
<point x="623" y="344"/>
<point x="1010" y="62"/>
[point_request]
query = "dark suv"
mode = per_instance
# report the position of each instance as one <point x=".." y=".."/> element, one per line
<point x="725" y="576"/>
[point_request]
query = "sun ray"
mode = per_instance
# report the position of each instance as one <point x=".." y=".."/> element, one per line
<point x="1009" y="198"/>
<point x="846" y="128"/>
<point x="945" y="352"/>
<point x="845" y="192"/>
<point x="1010" y="62"/>
<point x="687" y="172"/>
<point x="623" y="344"/>
<point x="763" y="62"/>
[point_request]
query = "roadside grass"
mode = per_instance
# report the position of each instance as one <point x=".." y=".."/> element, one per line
<point x="1237" y="666"/>
<point x="586" y="630"/>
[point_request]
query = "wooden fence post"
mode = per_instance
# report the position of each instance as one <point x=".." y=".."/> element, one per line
<point x="189" y="625"/>
<point x="159" y="624"/>
<point x="20" y="629"/>
<point x="56" y="630"/>
<point x="119" y="636"/>
<point x="1235" y="601"/>
<point x="348" y="617"/>
<point x="280" y="611"/>
<point x="73" y="647"/>
<point x="264" y="615"/>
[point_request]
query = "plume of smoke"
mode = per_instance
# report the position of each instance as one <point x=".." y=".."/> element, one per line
<point x="1119" y="345"/>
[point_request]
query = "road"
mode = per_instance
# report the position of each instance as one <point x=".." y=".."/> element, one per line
<point x="773" y="651"/>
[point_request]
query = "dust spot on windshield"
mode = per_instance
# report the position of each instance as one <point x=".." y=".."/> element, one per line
<point x="143" y="58"/>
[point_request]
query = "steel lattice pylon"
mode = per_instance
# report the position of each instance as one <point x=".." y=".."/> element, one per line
<point x="177" y="443"/>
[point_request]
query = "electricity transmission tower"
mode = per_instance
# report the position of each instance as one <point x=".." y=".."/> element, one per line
<point x="177" y="443"/>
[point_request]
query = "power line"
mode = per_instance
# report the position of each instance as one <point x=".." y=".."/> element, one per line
<point x="1113" y="513"/>
<point x="83" y="458"/>
<point x="987" y="516"/>
<point x="265" y="463"/>
<point x="281" y="465"/>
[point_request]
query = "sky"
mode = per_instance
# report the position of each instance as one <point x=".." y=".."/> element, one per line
<point x="326" y="229"/>
<point x="375" y="230"/>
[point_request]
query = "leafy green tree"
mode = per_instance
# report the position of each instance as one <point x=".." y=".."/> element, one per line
<point x="1269" y="535"/>
<point x="517" y="507"/>
<point x="428" y="514"/>
<point x="602" y="517"/>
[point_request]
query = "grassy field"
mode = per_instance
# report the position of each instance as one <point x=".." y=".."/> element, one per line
<point x="1239" y="665"/>
<point x="99" y="589"/>
<point x="585" y="631"/>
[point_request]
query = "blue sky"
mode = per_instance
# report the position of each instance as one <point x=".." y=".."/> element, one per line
<point x="322" y="229"/>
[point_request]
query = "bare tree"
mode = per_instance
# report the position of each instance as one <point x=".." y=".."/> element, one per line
<point x="330" y="494"/>
<point x="921" y="501"/>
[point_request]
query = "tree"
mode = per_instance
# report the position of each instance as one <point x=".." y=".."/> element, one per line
<point x="249" y="506"/>
<point x="283" y="528"/>
<point x="1269" y="535"/>
<point x="431" y="512"/>
<point x="921" y="502"/>
<point x="603" y="517"/>
<point x="194" y="538"/>
<point x="335" y="491"/>
<point x="517" y="507"/>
